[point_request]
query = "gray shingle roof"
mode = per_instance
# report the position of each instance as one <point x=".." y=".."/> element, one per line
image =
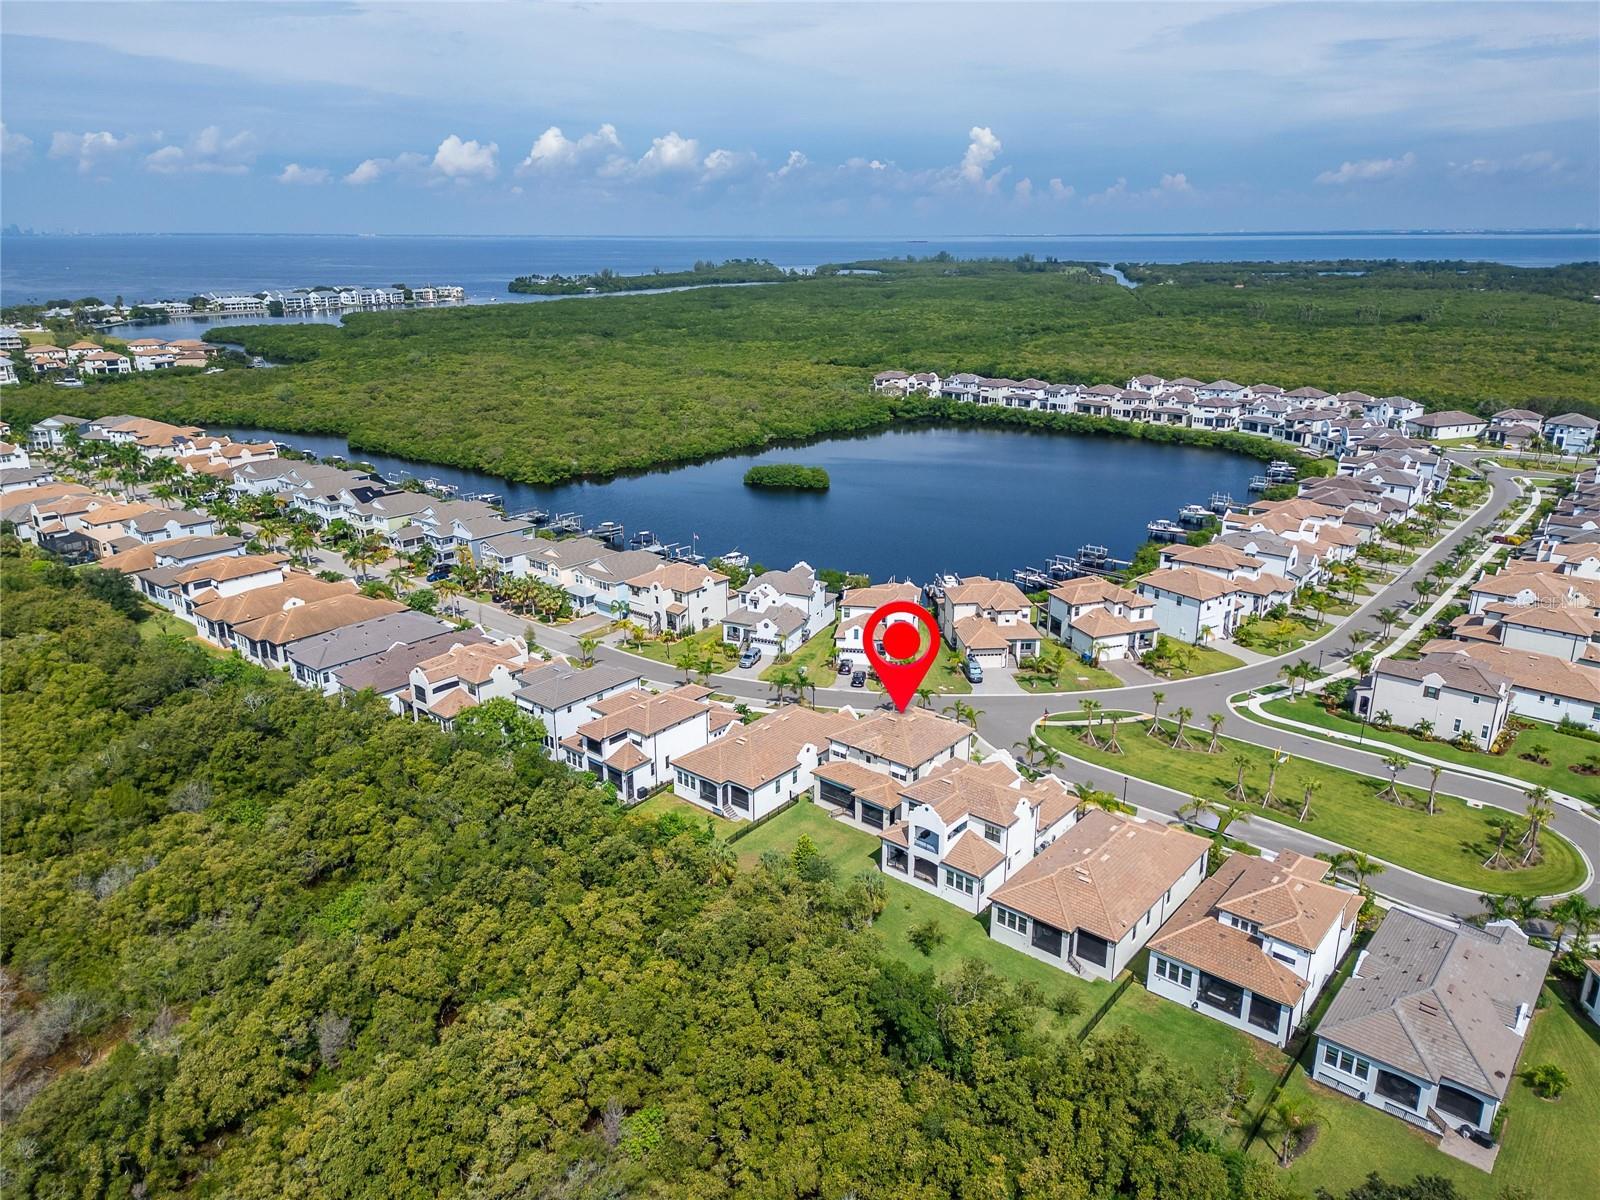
<point x="391" y="670"/>
<point x="364" y="639"/>
<point x="556" y="685"/>
<point x="1439" y="1001"/>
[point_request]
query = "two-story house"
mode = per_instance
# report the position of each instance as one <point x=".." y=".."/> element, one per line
<point x="1101" y="620"/>
<point x="779" y="611"/>
<point x="855" y="606"/>
<point x="561" y="695"/>
<point x="752" y="769"/>
<point x="678" y="597"/>
<point x="989" y="621"/>
<point x="635" y="735"/>
<point x="1254" y="944"/>
<point x="464" y="676"/>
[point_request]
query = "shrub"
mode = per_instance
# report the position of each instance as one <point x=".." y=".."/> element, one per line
<point x="1547" y="1080"/>
<point x="927" y="937"/>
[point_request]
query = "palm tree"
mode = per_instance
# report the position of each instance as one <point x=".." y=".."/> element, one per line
<point x="1577" y="914"/>
<point x="1090" y="796"/>
<point x="1540" y="809"/>
<point x="448" y="589"/>
<point x="1396" y="763"/>
<point x="964" y="712"/>
<point x="925" y="696"/>
<point x="1311" y="787"/>
<point x="1224" y="814"/>
<point x="685" y="660"/>
<point x="1275" y="760"/>
<point x="401" y="577"/>
<point x="1241" y="762"/>
<point x="1089" y="708"/>
<point x="1289" y="1119"/>
<point x="1157" y="698"/>
<point x="1498" y="906"/>
<point x="1362" y="661"/>
<point x="586" y="648"/>
<point x="1434" y="771"/>
<point x="1215" y="720"/>
<point x="1358" y="866"/>
<point x="1179" y="742"/>
<point x="1039" y="755"/>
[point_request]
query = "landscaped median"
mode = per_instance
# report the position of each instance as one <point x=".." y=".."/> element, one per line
<point x="1541" y="755"/>
<point x="1450" y="845"/>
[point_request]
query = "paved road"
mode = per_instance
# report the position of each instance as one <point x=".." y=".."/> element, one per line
<point x="1008" y="719"/>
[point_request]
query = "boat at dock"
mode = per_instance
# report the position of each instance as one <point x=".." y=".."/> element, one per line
<point x="1194" y="515"/>
<point x="1163" y="530"/>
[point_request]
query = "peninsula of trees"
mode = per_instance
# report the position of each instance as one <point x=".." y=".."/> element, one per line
<point x="787" y="475"/>
<point x="702" y="274"/>
<point x="542" y="393"/>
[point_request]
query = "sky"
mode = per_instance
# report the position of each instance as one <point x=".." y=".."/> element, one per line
<point x="784" y="119"/>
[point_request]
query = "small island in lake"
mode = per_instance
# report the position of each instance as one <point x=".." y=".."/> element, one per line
<point x="787" y="475"/>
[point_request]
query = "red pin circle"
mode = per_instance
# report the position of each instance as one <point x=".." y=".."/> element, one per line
<point x="900" y="672"/>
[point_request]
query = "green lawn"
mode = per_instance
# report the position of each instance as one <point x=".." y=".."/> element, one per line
<point x="1194" y="1041"/>
<point x="1267" y="636"/>
<point x="161" y="623"/>
<point x="665" y="801"/>
<point x="852" y="850"/>
<point x="813" y="656"/>
<point x="944" y="677"/>
<point x="1201" y="660"/>
<point x="1549" y="1147"/>
<point x="1450" y="845"/>
<point x="1562" y="749"/>
<point x="706" y="643"/>
<point x="1073" y="675"/>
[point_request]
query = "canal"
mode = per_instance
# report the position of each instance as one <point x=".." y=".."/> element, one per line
<point x="907" y="503"/>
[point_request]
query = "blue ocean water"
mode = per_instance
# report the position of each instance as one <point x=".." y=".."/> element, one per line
<point x="158" y="266"/>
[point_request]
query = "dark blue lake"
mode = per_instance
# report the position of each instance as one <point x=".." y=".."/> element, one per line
<point x="905" y="502"/>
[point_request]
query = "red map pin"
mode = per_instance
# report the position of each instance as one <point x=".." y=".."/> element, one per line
<point x="901" y="666"/>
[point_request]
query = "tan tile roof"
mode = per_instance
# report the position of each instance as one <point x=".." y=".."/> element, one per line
<point x="980" y="633"/>
<point x="473" y="663"/>
<point x="1102" y="623"/>
<point x="880" y="594"/>
<point x="678" y="577"/>
<point x="308" y="620"/>
<point x="645" y="717"/>
<point x="761" y="752"/>
<point x="872" y="786"/>
<point x="259" y="602"/>
<point x="626" y="757"/>
<point x="1091" y="589"/>
<point x="973" y="854"/>
<point x="455" y="701"/>
<point x="230" y="566"/>
<point x="1214" y="555"/>
<point x="991" y="791"/>
<point x="1528" y="670"/>
<point x="1103" y="874"/>
<point x="910" y="738"/>
<point x="1190" y="582"/>
<point x="999" y="594"/>
<point x="112" y="514"/>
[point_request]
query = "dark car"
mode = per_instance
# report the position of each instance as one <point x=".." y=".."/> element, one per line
<point x="844" y="666"/>
<point x="859" y="679"/>
<point x="972" y="670"/>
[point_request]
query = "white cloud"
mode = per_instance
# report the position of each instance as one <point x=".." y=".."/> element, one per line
<point x="370" y="170"/>
<point x="553" y="148"/>
<point x="1539" y="162"/>
<point x="14" y="147"/>
<point x="1024" y="190"/>
<point x="1171" y="184"/>
<point x="1367" y="170"/>
<point x="982" y="149"/>
<point x="796" y="161"/>
<point x="456" y="159"/>
<point x="672" y="152"/>
<point x="367" y="171"/>
<point x="209" y="152"/>
<point x="295" y="173"/>
<point x="1062" y="191"/>
<point x="90" y="149"/>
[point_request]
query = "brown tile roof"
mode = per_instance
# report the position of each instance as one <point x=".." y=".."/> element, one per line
<point x="1190" y="582"/>
<point x="764" y="750"/>
<point x="880" y="594"/>
<point x="872" y="786"/>
<point x="991" y="791"/>
<point x="647" y="716"/>
<point x="626" y="757"/>
<point x="230" y="566"/>
<point x="259" y="602"/>
<point x="1102" y="623"/>
<point x="1528" y="670"/>
<point x="474" y="663"/>
<point x="1092" y="589"/>
<point x="451" y="703"/>
<point x="319" y="616"/>
<point x="980" y="633"/>
<point x="1102" y="875"/>
<point x="677" y="577"/>
<point x="910" y="738"/>
<point x="1000" y="595"/>
<point x="1214" y="555"/>
<point x="974" y="854"/>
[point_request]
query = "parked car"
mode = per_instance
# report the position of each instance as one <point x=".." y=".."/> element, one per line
<point x="972" y="670"/>
<point x="749" y="656"/>
<point x="859" y="679"/>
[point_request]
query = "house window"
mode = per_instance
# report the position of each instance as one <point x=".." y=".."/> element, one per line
<point x="685" y="779"/>
<point x="1592" y="992"/>
<point x="1430" y="693"/>
<point x="1173" y="973"/>
<point x="1047" y="938"/>
<point x="965" y="884"/>
<point x="1398" y="1090"/>
<point x="1265" y="1014"/>
<point x="993" y="832"/>
<point x="1484" y="732"/>
<point x="1343" y="1060"/>
<point x="1013" y="921"/>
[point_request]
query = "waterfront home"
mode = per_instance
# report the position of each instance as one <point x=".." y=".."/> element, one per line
<point x="1572" y="433"/>
<point x="1094" y="896"/>
<point x="560" y="696"/>
<point x="388" y="672"/>
<point x="890" y="382"/>
<point x="315" y="661"/>
<point x="856" y="605"/>
<point x="556" y="563"/>
<point x="1453" y="695"/>
<point x="967" y="827"/>
<point x="78" y="349"/>
<point x="1100" y="620"/>
<point x="600" y="585"/>
<point x="780" y="610"/>
<point x="989" y="621"/>
<point x="155" y="439"/>
<point x="1543" y="687"/>
<point x="635" y="734"/>
<point x="389" y="512"/>
<point x="677" y="597"/>
<point x="1293" y="561"/>
<point x="1255" y="943"/>
<point x="1450" y="423"/>
<point x="177" y="587"/>
<point x="267" y="639"/>
<point x="752" y="769"/>
<point x="1430" y="1026"/>
<point x="464" y="676"/>
<point x="1192" y="605"/>
<point x="104" y="362"/>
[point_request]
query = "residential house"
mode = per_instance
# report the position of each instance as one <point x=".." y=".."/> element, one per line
<point x="904" y="745"/>
<point x="45" y="358"/>
<point x="1193" y="605"/>
<point x="1543" y="687"/>
<point x="780" y="610"/>
<point x="388" y="673"/>
<point x="1100" y="620"/>
<point x="856" y="605"/>
<point x="1589" y="990"/>
<point x="216" y="618"/>
<point x="1445" y="425"/>
<point x="1456" y="696"/>
<point x="178" y="586"/>
<point x="13" y="457"/>
<point x="753" y="769"/>
<point x="635" y="735"/>
<point x="267" y="640"/>
<point x="316" y="661"/>
<point x="8" y="370"/>
<point x="1572" y="433"/>
<point x="51" y="433"/>
<point x="678" y="597"/>
<point x="104" y="362"/>
<point x="1093" y="897"/>
<point x="1255" y="943"/>
<point x="968" y="827"/>
<point x="601" y="584"/>
<point x="166" y="524"/>
<point x="464" y="676"/>
<point x="1430" y="1026"/>
<point x="1514" y="428"/>
<point x="560" y="696"/>
<point x="989" y="621"/>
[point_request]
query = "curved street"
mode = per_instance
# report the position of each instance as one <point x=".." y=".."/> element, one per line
<point x="1006" y="719"/>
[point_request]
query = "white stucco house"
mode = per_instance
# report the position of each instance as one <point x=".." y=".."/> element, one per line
<point x="752" y="769"/>
<point x="855" y="606"/>
<point x="678" y="598"/>
<point x="1455" y="694"/>
<point x="1100" y="620"/>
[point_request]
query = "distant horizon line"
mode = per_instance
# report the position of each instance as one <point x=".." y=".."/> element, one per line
<point x="12" y="231"/>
